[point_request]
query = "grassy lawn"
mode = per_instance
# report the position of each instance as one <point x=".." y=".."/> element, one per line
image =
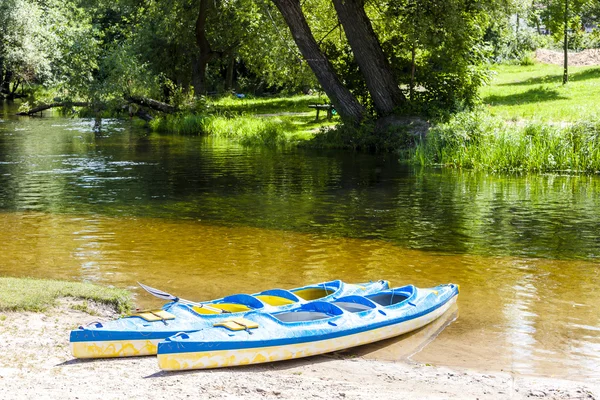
<point x="536" y="92"/>
<point x="25" y="294"/>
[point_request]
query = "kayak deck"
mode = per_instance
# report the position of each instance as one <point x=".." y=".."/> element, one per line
<point x="309" y="329"/>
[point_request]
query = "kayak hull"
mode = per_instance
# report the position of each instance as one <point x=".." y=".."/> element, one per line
<point x="173" y="357"/>
<point x="115" y="348"/>
<point x="134" y="336"/>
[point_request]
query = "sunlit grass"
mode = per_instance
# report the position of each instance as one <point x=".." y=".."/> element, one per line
<point x="536" y="92"/>
<point x="272" y="121"/>
<point x="479" y="141"/>
<point x="25" y="294"/>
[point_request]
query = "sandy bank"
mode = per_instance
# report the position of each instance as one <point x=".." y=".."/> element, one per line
<point x="35" y="363"/>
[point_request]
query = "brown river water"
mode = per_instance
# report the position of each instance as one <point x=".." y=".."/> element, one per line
<point x="203" y="218"/>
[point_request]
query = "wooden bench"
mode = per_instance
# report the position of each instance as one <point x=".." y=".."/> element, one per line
<point x="329" y="107"/>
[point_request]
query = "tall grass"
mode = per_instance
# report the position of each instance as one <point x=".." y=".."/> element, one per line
<point x="479" y="141"/>
<point x="247" y="130"/>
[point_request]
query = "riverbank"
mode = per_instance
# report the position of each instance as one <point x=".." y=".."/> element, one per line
<point x="35" y="362"/>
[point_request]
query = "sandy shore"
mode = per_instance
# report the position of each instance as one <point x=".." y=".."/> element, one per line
<point x="35" y="362"/>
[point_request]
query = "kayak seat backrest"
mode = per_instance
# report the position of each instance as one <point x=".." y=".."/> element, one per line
<point x="354" y="303"/>
<point x="391" y="297"/>
<point x="310" y="312"/>
<point x="314" y="293"/>
<point x="274" y="300"/>
<point x="277" y="297"/>
<point x="243" y="299"/>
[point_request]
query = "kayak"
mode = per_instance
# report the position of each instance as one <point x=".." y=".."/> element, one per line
<point x="138" y="334"/>
<point x="307" y="329"/>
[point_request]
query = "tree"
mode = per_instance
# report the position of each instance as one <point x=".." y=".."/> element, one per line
<point x="369" y="55"/>
<point x="563" y="17"/>
<point x="346" y="104"/>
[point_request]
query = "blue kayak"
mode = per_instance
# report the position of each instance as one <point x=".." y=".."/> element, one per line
<point x="139" y="334"/>
<point x="307" y="329"/>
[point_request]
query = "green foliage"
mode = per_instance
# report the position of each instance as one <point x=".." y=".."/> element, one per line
<point x="50" y="42"/>
<point x="476" y="140"/>
<point x="366" y="137"/>
<point x="25" y="294"/>
<point x="446" y="37"/>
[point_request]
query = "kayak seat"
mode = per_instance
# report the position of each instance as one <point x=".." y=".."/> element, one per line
<point x="310" y="312"/>
<point x="314" y="293"/>
<point x="231" y="304"/>
<point x="274" y="300"/>
<point x="354" y="304"/>
<point x="277" y="297"/>
<point x="391" y="297"/>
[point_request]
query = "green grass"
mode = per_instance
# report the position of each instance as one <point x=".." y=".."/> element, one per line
<point x="270" y="121"/>
<point x="477" y="140"/>
<point x="530" y="121"/>
<point x="535" y="92"/>
<point x="25" y="294"/>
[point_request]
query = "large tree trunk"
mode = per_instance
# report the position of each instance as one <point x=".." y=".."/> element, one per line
<point x="6" y="82"/>
<point x="230" y="70"/>
<point x="345" y="103"/>
<point x="204" y="54"/>
<point x="369" y="55"/>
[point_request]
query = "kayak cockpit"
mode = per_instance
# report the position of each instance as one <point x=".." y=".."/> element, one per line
<point x="230" y="304"/>
<point x="317" y="291"/>
<point x="354" y="304"/>
<point x="394" y="296"/>
<point x="277" y="297"/>
<point x="310" y="312"/>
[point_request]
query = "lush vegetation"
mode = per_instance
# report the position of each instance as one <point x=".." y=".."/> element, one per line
<point x="228" y="69"/>
<point x="477" y="140"/>
<point x="530" y="122"/>
<point x="25" y="294"/>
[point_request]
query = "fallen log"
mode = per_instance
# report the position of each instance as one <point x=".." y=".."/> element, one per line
<point x="151" y="103"/>
<point x="43" y="107"/>
<point x="141" y="113"/>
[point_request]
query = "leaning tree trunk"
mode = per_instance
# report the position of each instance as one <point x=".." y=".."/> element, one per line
<point x="205" y="53"/>
<point x="369" y="55"/>
<point x="345" y="103"/>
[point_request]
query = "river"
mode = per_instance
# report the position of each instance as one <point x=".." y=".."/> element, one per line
<point x="203" y="218"/>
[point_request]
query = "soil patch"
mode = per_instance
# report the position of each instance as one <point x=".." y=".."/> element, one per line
<point x="582" y="58"/>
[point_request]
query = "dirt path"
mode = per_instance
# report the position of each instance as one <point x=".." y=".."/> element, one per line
<point x="35" y="363"/>
<point x="585" y="57"/>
